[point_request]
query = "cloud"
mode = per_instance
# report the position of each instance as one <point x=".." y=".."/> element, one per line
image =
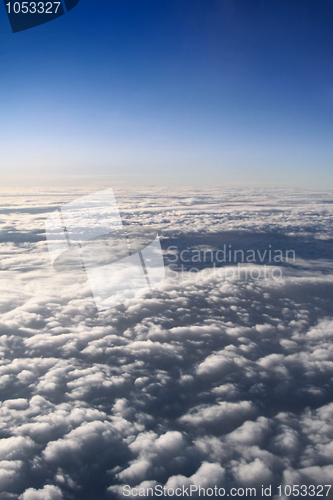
<point x="49" y="492"/>
<point x="220" y="417"/>
<point x="208" y="475"/>
<point x="209" y="380"/>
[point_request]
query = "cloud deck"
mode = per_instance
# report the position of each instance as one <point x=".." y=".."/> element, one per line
<point x="206" y="381"/>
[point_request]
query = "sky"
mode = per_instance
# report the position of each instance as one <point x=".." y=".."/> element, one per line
<point x="207" y="118"/>
<point x="170" y="93"/>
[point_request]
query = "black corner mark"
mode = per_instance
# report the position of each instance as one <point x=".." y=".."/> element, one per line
<point x="70" y="4"/>
<point x="24" y="15"/>
<point x="28" y="14"/>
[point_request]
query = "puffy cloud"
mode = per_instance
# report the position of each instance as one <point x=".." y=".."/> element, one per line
<point x="49" y="492"/>
<point x="208" y="475"/>
<point x="253" y="474"/>
<point x="13" y="448"/>
<point x="220" y="417"/>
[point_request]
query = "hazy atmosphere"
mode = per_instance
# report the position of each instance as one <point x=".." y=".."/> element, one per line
<point x="171" y="92"/>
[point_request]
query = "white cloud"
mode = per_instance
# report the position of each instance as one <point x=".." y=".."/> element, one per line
<point x="208" y="380"/>
<point x="49" y="492"/>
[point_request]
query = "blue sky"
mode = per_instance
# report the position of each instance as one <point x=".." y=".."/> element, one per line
<point x="170" y="92"/>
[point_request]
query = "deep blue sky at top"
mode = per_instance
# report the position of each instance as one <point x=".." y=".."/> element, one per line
<point x="198" y="92"/>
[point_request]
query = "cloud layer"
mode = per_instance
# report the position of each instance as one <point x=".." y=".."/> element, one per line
<point x="209" y="380"/>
